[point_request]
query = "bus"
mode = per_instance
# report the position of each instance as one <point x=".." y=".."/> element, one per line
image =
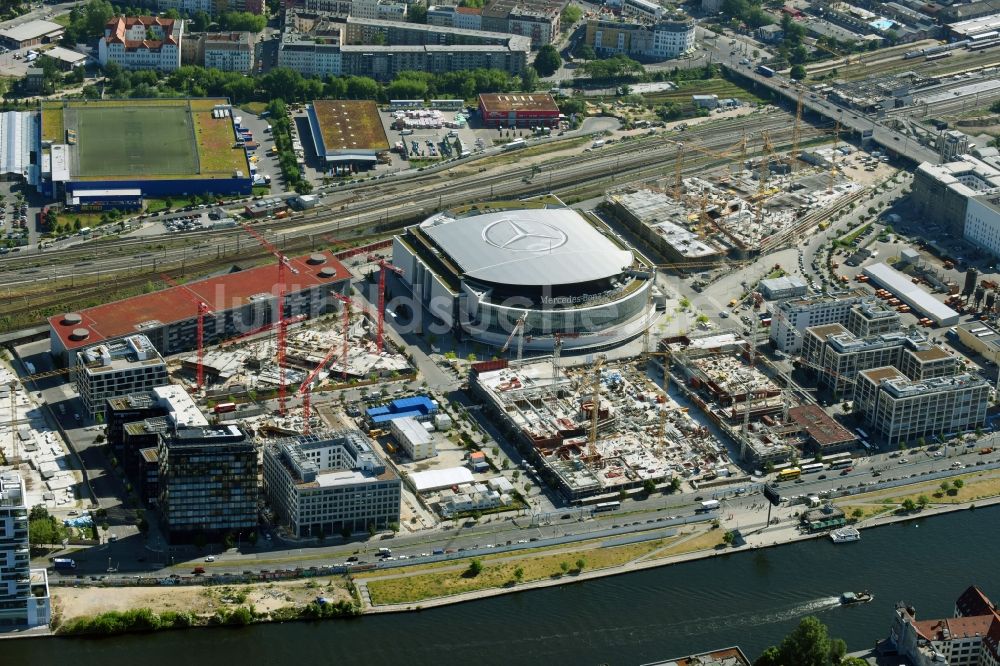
<point x="790" y="473"/>
<point x="607" y="506"/>
<point x="63" y="563"/>
<point x="812" y="468"/>
<point x="841" y="464"/>
<point x="834" y="458"/>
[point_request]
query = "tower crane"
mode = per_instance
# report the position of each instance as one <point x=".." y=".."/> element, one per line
<point x="283" y="264"/>
<point x="518" y="330"/>
<point x="384" y="266"/>
<point x="203" y="310"/>
<point x="305" y="390"/>
<point x="595" y="409"/>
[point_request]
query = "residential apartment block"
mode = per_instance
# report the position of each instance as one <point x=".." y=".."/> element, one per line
<point x="115" y="368"/>
<point x="24" y="592"/>
<point x="213" y="7"/>
<point x="319" y="44"/>
<point x="383" y="10"/>
<point x="142" y="42"/>
<point x="665" y="39"/>
<point x="227" y="51"/>
<point x="207" y="482"/>
<point x="901" y="409"/>
<point x="330" y="483"/>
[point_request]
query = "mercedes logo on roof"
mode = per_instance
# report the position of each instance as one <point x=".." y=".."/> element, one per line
<point x="523" y="236"/>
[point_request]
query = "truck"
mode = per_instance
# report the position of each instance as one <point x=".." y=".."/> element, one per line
<point x="709" y="505"/>
<point x="224" y="407"/>
<point x="515" y="144"/>
<point x="63" y="563"/>
<point x="384" y="552"/>
<point x="765" y="70"/>
<point x="251" y="146"/>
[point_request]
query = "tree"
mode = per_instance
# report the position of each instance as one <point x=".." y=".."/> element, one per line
<point x="570" y="15"/>
<point x="798" y="72"/>
<point x="529" y="79"/>
<point x="649" y="486"/>
<point x="519" y="574"/>
<point x="475" y="568"/>
<point x="809" y="644"/>
<point x="675" y="485"/>
<point x="857" y="514"/>
<point x="548" y="61"/>
<point x="564" y="566"/>
<point x="945" y="486"/>
<point x="417" y="13"/>
<point x="923" y="501"/>
<point x="958" y="483"/>
<point x="908" y="505"/>
<point x="729" y="537"/>
<point x="586" y="52"/>
<point x="580" y="564"/>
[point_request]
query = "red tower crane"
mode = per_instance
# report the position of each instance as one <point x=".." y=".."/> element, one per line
<point x="305" y="390"/>
<point x="383" y="265"/>
<point x="283" y="263"/>
<point x="203" y="310"/>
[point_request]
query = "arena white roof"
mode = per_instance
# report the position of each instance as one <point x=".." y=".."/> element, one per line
<point x="528" y="247"/>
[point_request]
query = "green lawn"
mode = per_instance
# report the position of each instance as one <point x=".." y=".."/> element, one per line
<point x="135" y="140"/>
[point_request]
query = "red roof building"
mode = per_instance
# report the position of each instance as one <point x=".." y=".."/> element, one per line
<point x="239" y="302"/>
<point x="970" y="638"/>
<point x="518" y="110"/>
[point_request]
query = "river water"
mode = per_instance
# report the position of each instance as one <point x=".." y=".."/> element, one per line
<point x="748" y="598"/>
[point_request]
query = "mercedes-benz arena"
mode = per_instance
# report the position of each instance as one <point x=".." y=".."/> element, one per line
<point x="477" y="273"/>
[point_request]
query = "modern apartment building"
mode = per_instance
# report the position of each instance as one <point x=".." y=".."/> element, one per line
<point x="838" y="355"/>
<point x="228" y="51"/>
<point x="665" y="39"/>
<point x="116" y="368"/>
<point x="208" y="483"/>
<point x="449" y="16"/>
<point x="142" y="42"/>
<point x="872" y="317"/>
<point x="330" y="483"/>
<point x="900" y="409"/>
<point x="24" y="592"/>
<point x="790" y="319"/>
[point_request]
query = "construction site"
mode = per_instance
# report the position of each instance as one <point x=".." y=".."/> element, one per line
<point x="37" y="451"/>
<point x="599" y="429"/>
<point x="746" y="206"/>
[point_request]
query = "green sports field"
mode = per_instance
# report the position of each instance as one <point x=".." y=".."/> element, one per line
<point x="134" y="141"/>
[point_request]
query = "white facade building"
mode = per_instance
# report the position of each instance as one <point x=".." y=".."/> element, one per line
<point x="142" y="42"/>
<point x="982" y="223"/>
<point x="229" y="51"/>
<point x="642" y="9"/>
<point x="24" y="592"/>
<point x="332" y="483"/>
<point x="790" y="319"/>
<point x="117" y="368"/>
<point x="413" y="437"/>
<point x="309" y="56"/>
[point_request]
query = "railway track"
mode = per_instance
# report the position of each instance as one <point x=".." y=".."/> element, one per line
<point x="567" y="174"/>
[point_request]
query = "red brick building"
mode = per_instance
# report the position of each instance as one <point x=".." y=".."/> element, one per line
<point x="518" y="110"/>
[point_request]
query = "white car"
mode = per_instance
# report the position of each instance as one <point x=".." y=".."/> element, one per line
<point x="210" y="558"/>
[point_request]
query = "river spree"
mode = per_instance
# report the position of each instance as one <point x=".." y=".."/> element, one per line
<point x="747" y="598"/>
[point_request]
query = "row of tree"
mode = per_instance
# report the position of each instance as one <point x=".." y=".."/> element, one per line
<point x="287" y="84"/>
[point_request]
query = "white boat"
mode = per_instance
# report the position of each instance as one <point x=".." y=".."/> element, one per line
<point x="845" y="535"/>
